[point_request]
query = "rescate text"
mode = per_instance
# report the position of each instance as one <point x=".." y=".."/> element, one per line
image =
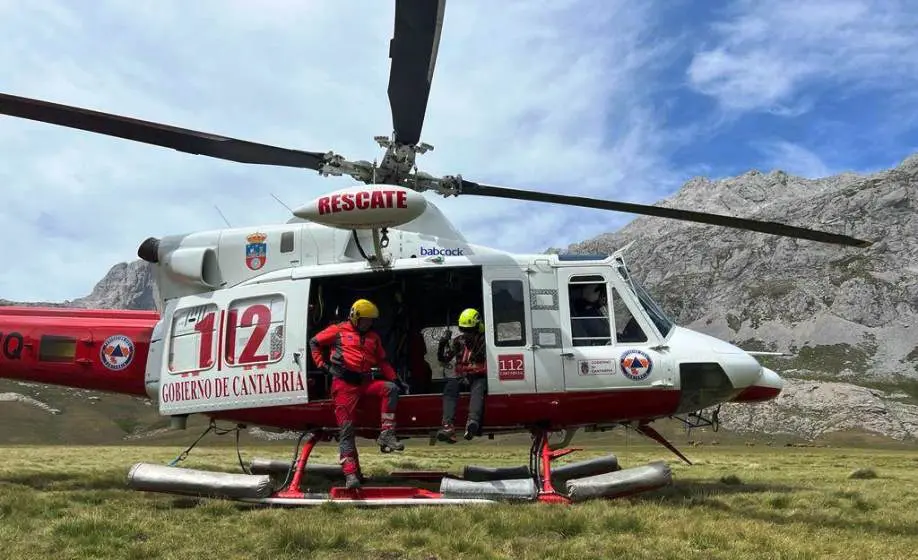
<point x="362" y="200"/>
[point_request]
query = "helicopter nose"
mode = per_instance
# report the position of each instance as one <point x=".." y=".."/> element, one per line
<point x="741" y="369"/>
<point x="766" y="388"/>
<point x="715" y="369"/>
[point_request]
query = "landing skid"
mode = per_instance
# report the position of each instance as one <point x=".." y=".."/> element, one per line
<point x="376" y="501"/>
<point x="293" y="494"/>
<point x="537" y="482"/>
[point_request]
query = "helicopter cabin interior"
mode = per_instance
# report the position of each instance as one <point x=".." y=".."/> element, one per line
<point x="415" y="309"/>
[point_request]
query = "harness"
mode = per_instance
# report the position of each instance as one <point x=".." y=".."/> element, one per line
<point x="471" y="359"/>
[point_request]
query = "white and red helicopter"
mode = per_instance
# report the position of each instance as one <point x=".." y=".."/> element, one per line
<point x="236" y="308"/>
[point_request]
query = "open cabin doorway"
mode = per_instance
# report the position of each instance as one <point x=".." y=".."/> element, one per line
<point x="415" y="308"/>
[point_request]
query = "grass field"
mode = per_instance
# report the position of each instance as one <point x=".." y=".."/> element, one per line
<point x="735" y="502"/>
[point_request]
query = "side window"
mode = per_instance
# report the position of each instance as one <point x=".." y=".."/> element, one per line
<point x="509" y="309"/>
<point x="588" y="297"/>
<point x="193" y="343"/>
<point x="54" y="348"/>
<point x="627" y="329"/>
<point x="286" y="242"/>
<point x="255" y="330"/>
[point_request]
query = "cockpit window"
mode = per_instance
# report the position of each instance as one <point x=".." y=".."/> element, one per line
<point x="588" y="297"/>
<point x="627" y="328"/>
<point x="659" y="317"/>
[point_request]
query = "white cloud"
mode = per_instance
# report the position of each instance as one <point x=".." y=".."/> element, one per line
<point x="795" y="159"/>
<point x="547" y="98"/>
<point x="767" y="52"/>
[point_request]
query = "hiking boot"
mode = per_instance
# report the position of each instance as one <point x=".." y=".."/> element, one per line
<point x="388" y="442"/>
<point x="471" y="430"/>
<point x="446" y="434"/>
<point x="352" y="481"/>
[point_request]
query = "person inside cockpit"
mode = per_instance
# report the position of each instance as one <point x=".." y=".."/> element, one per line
<point x="590" y="315"/>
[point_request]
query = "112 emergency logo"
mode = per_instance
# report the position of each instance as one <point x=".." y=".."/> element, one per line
<point x="117" y="352"/>
<point x="636" y="365"/>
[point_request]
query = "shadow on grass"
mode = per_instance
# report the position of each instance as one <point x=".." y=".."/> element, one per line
<point x="39" y="481"/>
<point x="707" y="494"/>
<point x="68" y="481"/>
<point x="702" y="493"/>
<point x="818" y="520"/>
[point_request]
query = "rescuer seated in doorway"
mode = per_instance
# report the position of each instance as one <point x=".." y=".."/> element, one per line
<point x="469" y="351"/>
<point x="355" y="350"/>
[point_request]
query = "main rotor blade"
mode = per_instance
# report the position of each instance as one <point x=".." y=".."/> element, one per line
<point x="181" y="139"/>
<point x="413" y="50"/>
<point x="774" y="228"/>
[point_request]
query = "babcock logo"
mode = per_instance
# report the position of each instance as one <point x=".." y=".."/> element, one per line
<point x="437" y="251"/>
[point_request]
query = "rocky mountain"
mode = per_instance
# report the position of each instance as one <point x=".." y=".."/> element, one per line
<point x="849" y="315"/>
<point x="125" y="286"/>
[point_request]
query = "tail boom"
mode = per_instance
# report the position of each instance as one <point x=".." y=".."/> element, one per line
<point x="96" y="349"/>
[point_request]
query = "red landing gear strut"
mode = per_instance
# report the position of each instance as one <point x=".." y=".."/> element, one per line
<point x="540" y="458"/>
<point x="294" y="490"/>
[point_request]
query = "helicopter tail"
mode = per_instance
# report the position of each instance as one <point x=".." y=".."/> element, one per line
<point x="96" y="349"/>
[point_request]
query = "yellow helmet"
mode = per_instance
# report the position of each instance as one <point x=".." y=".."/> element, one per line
<point x="363" y="308"/>
<point x="470" y="319"/>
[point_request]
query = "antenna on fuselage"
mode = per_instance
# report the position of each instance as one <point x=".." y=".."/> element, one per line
<point x="281" y="202"/>
<point x="222" y="216"/>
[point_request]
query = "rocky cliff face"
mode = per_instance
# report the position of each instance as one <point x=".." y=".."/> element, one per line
<point x="125" y="286"/>
<point x="810" y="409"/>
<point x="849" y="315"/>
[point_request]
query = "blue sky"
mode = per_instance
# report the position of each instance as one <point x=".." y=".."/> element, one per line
<point x="621" y="100"/>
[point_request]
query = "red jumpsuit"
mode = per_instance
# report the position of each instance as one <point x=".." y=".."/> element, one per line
<point x="352" y="355"/>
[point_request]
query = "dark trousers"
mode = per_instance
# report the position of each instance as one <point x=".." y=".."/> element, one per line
<point x="478" y="386"/>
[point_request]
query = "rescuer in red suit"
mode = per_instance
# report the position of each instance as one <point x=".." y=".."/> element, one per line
<point x="354" y="351"/>
<point x="469" y="351"/>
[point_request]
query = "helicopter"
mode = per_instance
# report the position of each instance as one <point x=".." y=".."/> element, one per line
<point x="236" y="308"/>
